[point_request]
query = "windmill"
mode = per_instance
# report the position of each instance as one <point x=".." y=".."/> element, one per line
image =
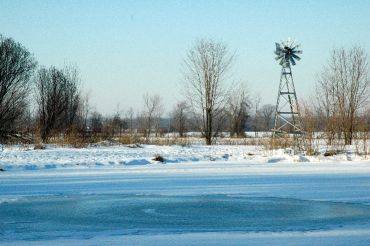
<point x="287" y="115"/>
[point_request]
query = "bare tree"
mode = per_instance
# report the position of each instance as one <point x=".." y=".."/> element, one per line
<point x="151" y="115"/>
<point x="205" y="69"/>
<point x="118" y="124"/>
<point x="16" y="68"/>
<point x="367" y="117"/>
<point x="96" y="123"/>
<point x="179" y="118"/>
<point x="130" y="119"/>
<point x="343" y="90"/>
<point x="73" y="97"/>
<point x="309" y="120"/>
<point x="267" y="113"/>
<point x="83" y="114"/>
<point x="237" y="109"/>
<point x="51" y="100"/>
<point x="257" y="116"/>
<point x="58" y="100"/>
<point x="27" y="126"/>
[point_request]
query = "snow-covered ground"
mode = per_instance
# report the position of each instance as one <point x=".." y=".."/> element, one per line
<point x="218" y="195"/>
<point x="15" y="158"/>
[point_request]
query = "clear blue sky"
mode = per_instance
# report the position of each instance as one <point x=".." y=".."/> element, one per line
<point x="126" y="48"/>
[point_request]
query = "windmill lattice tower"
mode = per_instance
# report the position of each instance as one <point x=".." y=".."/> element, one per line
<point x="287" y="115"/>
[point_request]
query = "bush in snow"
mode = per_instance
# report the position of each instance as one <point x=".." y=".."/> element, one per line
<point x="158" y="158"/>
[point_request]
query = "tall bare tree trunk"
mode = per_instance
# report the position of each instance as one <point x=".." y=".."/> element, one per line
<point x="206" y="66"/>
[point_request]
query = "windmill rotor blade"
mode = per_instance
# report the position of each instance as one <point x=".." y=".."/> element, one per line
<point x="292" y="61"/>
<point x="296" y="46"/>
<point x="287" y="52"/>
<point x="285" y="43"/>
<point x="296" y="57"/>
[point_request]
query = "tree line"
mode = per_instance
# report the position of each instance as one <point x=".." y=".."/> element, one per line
<point x="43" y="104"/>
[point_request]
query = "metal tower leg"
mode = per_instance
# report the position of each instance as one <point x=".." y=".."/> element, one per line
<point x="287" y="115"/>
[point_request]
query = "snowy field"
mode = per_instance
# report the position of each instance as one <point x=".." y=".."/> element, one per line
<point x="200" y="195"/>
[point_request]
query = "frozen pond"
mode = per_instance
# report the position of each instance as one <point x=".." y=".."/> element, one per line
<point x="204" y="203"/>
<point x="50" y="217"/>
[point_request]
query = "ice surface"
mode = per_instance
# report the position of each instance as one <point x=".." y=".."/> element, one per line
<point x="201" y="195"/>
<point x="50" y="217"/>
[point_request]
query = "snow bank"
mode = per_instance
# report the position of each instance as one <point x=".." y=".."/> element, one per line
<point x="19" y="158"/>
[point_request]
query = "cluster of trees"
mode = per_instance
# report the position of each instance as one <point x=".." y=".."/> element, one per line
<point x="106" y="127"/>
<point x="339" y="110"/>
<point x="343" y="94"/>
<point x="59" y="105"/>
<point x="47" y="102"/>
